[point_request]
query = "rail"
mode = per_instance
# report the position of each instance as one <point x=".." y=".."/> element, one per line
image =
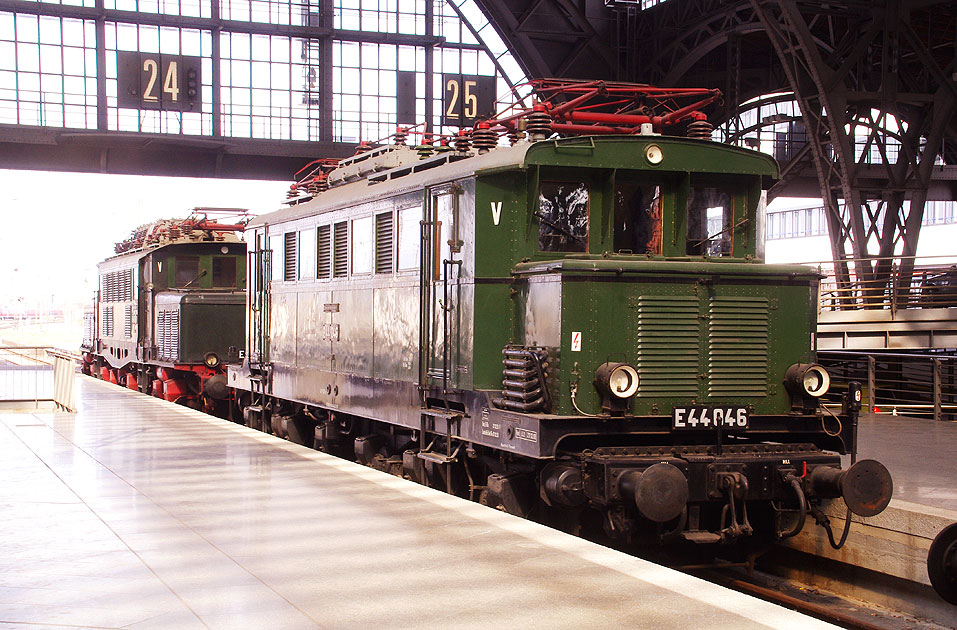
<point x="922" y="385"/>
<point x="897" y="283"/>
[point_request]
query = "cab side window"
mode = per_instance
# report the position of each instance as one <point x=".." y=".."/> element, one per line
<point x="563" y="217"/>
<point x="710" y="221"/>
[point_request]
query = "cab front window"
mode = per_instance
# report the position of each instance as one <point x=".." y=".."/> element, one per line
<point x="224" y="271"/>
<point x="638" y="218"/>
<point x="710" y="221"/>
<point x="563" y="217"/>
<point x="187" y="271"/>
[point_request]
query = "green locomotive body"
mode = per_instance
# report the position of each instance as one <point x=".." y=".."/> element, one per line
<point x="171" y="305"/>
<point x="564" y="325"/>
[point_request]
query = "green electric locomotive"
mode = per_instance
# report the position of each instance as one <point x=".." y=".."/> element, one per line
<point x="577" y="329"/>
<point x="169" y="308"/>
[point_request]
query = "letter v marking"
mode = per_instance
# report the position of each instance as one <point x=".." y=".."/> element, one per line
<point x="496" y="211"/>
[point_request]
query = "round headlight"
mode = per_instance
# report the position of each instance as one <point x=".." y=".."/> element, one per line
<point x="623" y="381"/>
<point x="619" y="380"/>
<point x="211" y="359"/>
<point x="808" y="379"/>
<point x="816" y="381"/>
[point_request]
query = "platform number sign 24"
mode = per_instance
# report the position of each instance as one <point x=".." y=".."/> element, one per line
<point x="152" y="81"/>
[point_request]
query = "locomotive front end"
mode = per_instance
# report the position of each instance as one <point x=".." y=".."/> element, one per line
<point x="669" y="371"/>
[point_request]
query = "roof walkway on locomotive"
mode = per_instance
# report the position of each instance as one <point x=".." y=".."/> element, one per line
<point x="140" y="513"/>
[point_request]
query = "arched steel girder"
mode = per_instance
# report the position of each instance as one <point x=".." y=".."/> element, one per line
<point x="842" y="60"/>
<point x="556" y="38"/>
<point x="873" y="62"/>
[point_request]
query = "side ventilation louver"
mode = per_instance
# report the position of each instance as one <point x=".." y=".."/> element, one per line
<point x="106" y="322"/>
<point x="738" y="346"/>
<point x="117" y="286"/>
<point x="324" y="269"/>
<point x="524" y="380"/>
<point x="340" y="265"/>
<point x="383" y="243"/>
<point x="289" y="256"/>
<point x="668" y="345"/>
<point x="128" y="322"/>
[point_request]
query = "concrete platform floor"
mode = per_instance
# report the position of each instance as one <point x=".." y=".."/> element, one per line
<point x="920" y="453"/>
<point x="136" y="513"/>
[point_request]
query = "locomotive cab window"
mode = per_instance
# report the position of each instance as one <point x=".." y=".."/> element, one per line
<point x="410" y="237"/>
<point x="362" y="245"/>
<point x="710" y="221"/>
<point x="187" y="271"/>
<point x="563" y="217"/>
<point x="224" y="271"/>
<point x="638" y="217"/>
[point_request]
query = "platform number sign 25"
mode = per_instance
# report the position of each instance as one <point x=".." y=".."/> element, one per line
<point x="152" y="81"/>
<point x="467" y="98"/>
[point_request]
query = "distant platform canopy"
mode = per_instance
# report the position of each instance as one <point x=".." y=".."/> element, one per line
<point x="241" y="88"/>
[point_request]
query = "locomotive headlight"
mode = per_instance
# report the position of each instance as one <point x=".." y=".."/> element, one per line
<point x="211" y="359"/>
<point x="816" y="381"/>
<point x="616" y="381"/>
<point x="807" y="378"/>
<point x="623" y="381"/>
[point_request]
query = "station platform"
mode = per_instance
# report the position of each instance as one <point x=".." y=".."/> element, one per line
<point x="885" y="558"/>
<point x="137" y="513"/>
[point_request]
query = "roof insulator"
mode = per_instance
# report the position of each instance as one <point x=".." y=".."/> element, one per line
<point x="424" y="150"/>
<point x="538" y="123"/>
<point x="462" y="141"/>
<point x="483" y="138"/>
<point x="700" y="129"/>
<point x="401" y="133"/>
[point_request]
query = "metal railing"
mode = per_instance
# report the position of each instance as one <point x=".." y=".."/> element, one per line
<point x="26" y="375"/>
<point x="30" y="375"/>
<point x="888" y="283"/>
<point x="64" y="374"/>
<point x="923" y="385"/>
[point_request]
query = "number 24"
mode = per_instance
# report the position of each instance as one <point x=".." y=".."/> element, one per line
<point x="170" y="83"/>
<point x="470" y="99"/>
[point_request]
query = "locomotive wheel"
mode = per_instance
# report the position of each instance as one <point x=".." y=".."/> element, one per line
<point x="942" y="564"/>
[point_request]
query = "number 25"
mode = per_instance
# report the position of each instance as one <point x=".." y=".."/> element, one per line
<point x="470" y="99"/>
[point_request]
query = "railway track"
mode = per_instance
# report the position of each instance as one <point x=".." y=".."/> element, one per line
<point x="828" y="607"/>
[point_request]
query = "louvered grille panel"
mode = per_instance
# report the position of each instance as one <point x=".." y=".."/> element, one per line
<point x="668" y="345"/>
<point x="167" y="333"/>
<point x="106" y="322"/>
<point x="383" y="243"/>
<point x="128" y="322"/>
<point x="738" y="346"/>
<point x="128" y="285"/>
<point x="325" y="253"/>
<point x="174" y="336"/>
<point x="161" y="334"/>
<point x="340" y="267"/>
<point x="289" y="257"/>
